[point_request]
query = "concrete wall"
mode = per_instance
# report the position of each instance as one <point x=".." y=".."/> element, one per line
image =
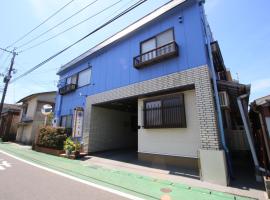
<point x="183" y="142"/>
<point x="112" y="130"/>
<point x="24" y="134"/>
<point x="50" y="97"/>
<point x="31" y="109"/>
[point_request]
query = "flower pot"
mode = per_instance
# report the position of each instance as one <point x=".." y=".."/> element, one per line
<point x="68" y="152"/>
<point x="77" y="154"/>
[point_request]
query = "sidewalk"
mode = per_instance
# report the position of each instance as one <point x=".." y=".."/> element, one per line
<point x="123" y="180"/>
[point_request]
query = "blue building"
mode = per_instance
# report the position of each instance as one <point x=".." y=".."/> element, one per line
<point x="155" y="87"/>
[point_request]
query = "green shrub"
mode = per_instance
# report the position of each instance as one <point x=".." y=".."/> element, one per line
<point x="51" y="137"/>
<point x="69" y="145"/>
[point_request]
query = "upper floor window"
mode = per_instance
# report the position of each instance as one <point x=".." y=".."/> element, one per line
<point x="24" y="110"/>
<point x="161" y="46"/>
<point x="158" y="41"/>
<point x="77" y="80"/>
<point x="72" y="79"/>
<point x="84" y="77"/>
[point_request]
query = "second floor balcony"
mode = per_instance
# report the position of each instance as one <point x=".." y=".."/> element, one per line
<point x="25" y="120"/>
<point x="156" y="55"/>
<point x="67" y="89"/>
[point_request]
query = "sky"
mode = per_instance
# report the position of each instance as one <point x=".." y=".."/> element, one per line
<point x="242" y="28"/>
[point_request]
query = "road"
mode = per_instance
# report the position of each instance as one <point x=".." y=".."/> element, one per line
<point x="19" y="180"/>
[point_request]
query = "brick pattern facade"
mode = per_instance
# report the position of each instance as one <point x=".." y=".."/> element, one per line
<point x="198" y="76"/>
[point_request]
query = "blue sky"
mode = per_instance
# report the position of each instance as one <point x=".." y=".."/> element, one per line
<point x="242" y="28"/>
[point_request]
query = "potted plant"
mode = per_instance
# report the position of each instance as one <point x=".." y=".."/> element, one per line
<point x="77" y="148"/>
<point x="69" y="146"/>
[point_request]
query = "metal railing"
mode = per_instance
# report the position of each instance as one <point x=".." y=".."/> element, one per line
<point x="26" y="118"/>
<point x="67" y="89"/>
<point x="164" y="117"/>
<point x="164" y="52"/>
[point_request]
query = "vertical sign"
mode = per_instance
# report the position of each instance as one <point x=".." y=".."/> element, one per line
<point x="77" y="122"/>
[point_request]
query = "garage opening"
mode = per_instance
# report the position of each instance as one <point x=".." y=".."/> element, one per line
<point x="116" y="125"/>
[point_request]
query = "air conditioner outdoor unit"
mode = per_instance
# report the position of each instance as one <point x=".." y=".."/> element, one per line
<point x="224" y="99"/>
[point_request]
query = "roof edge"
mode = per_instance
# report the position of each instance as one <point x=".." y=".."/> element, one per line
<point x="34" y="95"/>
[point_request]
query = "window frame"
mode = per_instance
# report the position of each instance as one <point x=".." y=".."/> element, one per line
<point x="182" y="113"/>
<point x="155" y="37"/>
<point x="88" y="68"/>
<point x="61" y="120"/>
<point x="76" y="75"/>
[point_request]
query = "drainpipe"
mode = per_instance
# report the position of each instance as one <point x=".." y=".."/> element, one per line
<point x="264" y="134"/>
<point x="220" y="122"/>
<point x="247" y="130"/>
<point x="58" y="111"/>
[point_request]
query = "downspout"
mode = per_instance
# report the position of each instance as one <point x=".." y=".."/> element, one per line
<point x="247" y="130"/>
<point x="264" y="134"/>
<point x="58" y="111"/>
<point x="220" y="122"/>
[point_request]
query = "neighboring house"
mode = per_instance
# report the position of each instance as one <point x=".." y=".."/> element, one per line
<point x="31" y="118"/>
<point x="8" y="122"/>
<point x="154" y="86"/>
<point x="259" y="116"/>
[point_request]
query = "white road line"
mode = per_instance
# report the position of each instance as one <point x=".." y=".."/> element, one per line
<point x="129" y="196"/>
<point x="4" y="164"/>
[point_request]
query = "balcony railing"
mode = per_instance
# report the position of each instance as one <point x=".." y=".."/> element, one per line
<point x="25" y="119"/>
<point x="156" y="55"/>
<point x="67" y="89"/>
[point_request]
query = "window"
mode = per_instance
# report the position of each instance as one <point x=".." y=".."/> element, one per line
<point x="165" y="38"/>
<point x="153" y="113"/>
<point x="167" y="112"/>
<point x="157" y="41"/>
<point x="25" y="108"/>
<point x="146" y="47"/>
<point x="156" y="49"/>
<point x="84" y="77"/>
<point x="72" y="79"/>
<point x="66" y="121"/>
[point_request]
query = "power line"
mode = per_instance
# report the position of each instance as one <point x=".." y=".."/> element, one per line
<point x="70" y="28"/>
<point x="86" y="36"/>
<point x="47" y="19"/>
<point x="63" y="21"/>
<point x="6" y="50"/>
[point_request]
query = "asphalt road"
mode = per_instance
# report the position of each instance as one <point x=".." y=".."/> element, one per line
<point x="21" y="181"/>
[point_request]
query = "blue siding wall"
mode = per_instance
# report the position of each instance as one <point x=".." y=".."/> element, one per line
<point x="112" y="67"/>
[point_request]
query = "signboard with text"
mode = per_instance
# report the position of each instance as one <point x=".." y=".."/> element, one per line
<point x="77" y="122"/>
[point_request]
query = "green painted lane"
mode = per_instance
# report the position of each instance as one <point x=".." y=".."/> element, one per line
<point x="135" y="184"/>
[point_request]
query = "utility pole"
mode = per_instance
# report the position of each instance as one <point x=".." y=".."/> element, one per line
<point x="6" y="80"/>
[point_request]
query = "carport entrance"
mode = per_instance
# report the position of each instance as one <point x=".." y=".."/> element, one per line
<point x="115" y="124"/>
